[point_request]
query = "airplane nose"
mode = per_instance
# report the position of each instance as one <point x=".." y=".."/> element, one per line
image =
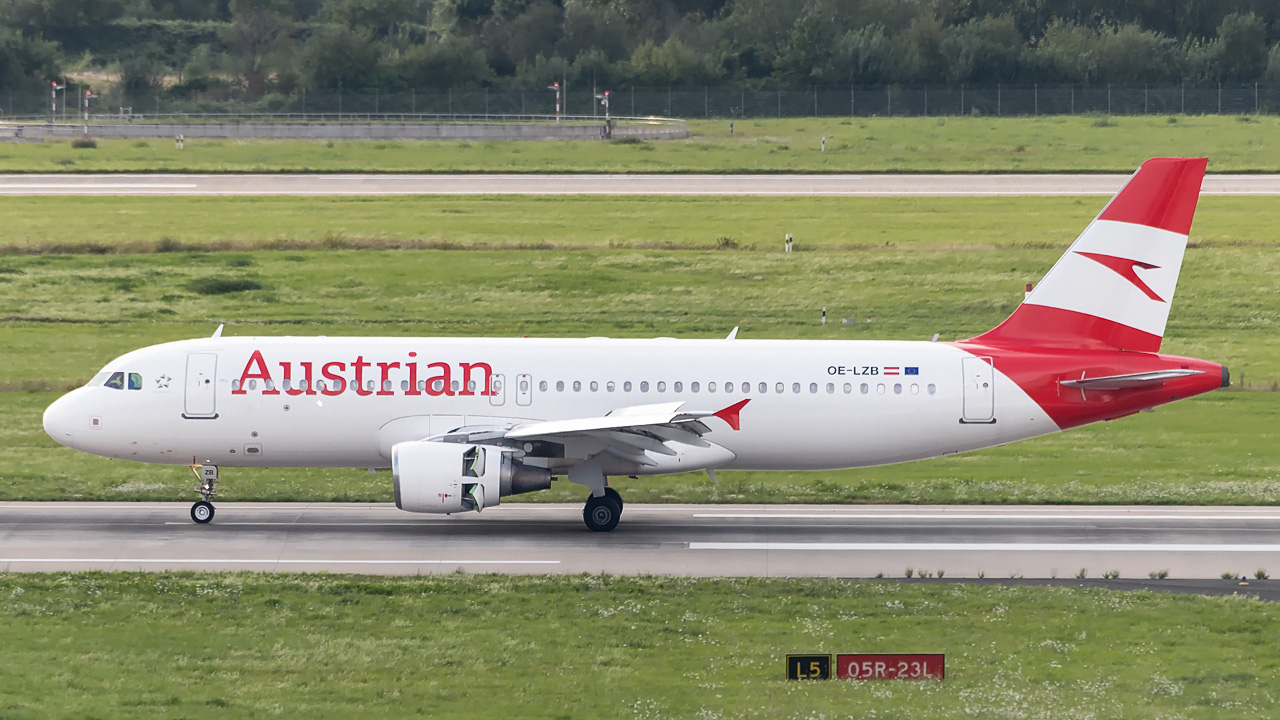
<point x="57" y="421"/>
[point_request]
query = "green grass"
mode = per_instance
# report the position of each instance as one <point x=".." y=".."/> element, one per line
<point x="253" y="645"/>
<point x="1045" y="144"/>
<point x="141" y="224"/>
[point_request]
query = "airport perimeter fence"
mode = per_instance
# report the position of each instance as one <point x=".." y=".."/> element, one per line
<point x="706" y="102"/>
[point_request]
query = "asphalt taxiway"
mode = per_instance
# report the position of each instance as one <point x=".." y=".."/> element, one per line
<point x="683" y="540"/>
<point x="957" y="185"/>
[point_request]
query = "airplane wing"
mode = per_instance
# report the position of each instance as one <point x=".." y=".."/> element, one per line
<point x="627" y="432"/>
<point x="1133" y="380"/>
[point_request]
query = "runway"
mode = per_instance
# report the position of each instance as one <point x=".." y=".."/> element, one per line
<point x="554" y="184"/>
<point x="683" y="540"/>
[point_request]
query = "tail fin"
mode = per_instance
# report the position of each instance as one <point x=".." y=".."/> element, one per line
<point x="1113" y="287"/>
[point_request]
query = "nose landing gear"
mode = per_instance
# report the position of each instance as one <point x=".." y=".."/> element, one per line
<point x="202" y="510"/>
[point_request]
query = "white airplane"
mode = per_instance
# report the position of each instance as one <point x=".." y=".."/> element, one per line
<point x="465" y="422"/>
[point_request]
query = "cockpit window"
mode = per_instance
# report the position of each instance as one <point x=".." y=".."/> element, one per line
<point x="116" y="381"/>
<point x="135" y="381"/>
<point x="99" y="379"/>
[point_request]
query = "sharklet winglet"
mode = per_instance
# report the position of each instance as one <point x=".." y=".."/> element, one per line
<point x="730" y="414"/>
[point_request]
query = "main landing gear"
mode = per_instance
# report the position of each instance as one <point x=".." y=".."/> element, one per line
<point x="202" y="510"/>
<point x="604" y="506"/>
<point x="602" y="513"/>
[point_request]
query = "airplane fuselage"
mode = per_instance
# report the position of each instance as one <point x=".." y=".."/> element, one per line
<point x="344" y="402"/>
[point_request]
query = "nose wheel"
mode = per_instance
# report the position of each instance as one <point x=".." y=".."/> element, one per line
<point x="202" y="510"/>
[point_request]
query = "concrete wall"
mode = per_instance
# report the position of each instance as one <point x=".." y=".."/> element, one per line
<point x="667" y="129"/>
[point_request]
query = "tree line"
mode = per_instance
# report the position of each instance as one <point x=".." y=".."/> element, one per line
<point x="255" y="47"/>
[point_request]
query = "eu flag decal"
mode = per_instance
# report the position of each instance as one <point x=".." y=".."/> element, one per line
<point x="910" y="371"/>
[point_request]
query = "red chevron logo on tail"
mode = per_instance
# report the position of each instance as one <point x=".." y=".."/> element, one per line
<point x="1125" y="268"/>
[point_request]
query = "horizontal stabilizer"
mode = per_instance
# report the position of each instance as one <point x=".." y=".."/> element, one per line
<point x="1134" y="380"/>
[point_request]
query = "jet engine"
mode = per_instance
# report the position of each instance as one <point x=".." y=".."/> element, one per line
<point x="436" y="477"/>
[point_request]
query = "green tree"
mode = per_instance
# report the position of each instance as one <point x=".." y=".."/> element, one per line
<point x="669" y="64"/>
<point x="919" y="51"/>
<point x="1068" y="53"/>
<point x="987" y="50"/>
<point x="451" y="62"/>
<point x="26" y="63"/>
<point x="805" y="56"/>
<point x="863" y="56"/>
<point x="339" y="56"/>
<point x="1242" y="47"/>
<point x="382" y="17"/>
<point x="257" y="35"/>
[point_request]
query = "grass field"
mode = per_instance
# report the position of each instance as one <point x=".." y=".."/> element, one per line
<point x="254" y="645"/>
<point x="922" y="144"/>
<point x="63" y="316"/>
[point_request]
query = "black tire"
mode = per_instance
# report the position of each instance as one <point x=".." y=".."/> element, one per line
<point x="616" y="496"/>
<point x="601" y="514"/>
<point x="202" y="512"/>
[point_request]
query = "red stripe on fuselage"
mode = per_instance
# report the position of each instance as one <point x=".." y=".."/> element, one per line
<point x="1040" y="372"/>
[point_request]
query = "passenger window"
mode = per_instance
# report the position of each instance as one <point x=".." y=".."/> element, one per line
<point x="542" y="385"/>
<point x="764" y="387"/>
<point x="662" y="386"/>
<point x="644" y="386"/>
<point x="848" y="388"/>
<point x="711" y="387"/>
<point x="135" y="381"/>
<point x="559" y="386"/>
<point x="897" y="388"/>
<point x="577" y="386"/>
<point x="626" y="386"/>
<point x="235" y="384"/>
<point x="813" y="388"/>
<point x="253" y="384"/>
<point x="864" y="388"/>
<point x="831" y="388"/>
<point x="780" y="388"/>
<point x="116" y="381"/>
<point x="595" y="386"/>
<point x="609" y="386"/>
<point x="932" y="388"/>
<point x="915" y="389"/>
<point x="693" y="386"/>
<point x="880" y="389"/>
<point x="728" y="387"/>
<point x="678" y="387"/>
<point x="795" y="388"/>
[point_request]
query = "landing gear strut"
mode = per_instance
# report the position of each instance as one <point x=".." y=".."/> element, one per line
<point x="202" y="510"/>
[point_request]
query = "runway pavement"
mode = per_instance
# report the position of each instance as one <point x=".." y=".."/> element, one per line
<point x="686" y="540"/>
<point x="553" y="184"/>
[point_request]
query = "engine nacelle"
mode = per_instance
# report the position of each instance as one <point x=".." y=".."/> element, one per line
<point x="436" y="477"/>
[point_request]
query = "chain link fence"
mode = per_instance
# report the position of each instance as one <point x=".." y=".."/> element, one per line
<point x="708" y="102"/>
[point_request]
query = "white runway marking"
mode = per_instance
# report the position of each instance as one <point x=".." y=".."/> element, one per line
<point x="96" y="186"/>
<point x="970" y="516"/>
<point x="985" y="547"/>
<point x="281" y="561"/>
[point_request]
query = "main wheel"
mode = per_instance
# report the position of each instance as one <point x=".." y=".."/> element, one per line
<point x="202" y="512"/>
<point x="601" y="514"/>
<point x="617" y="497"/>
